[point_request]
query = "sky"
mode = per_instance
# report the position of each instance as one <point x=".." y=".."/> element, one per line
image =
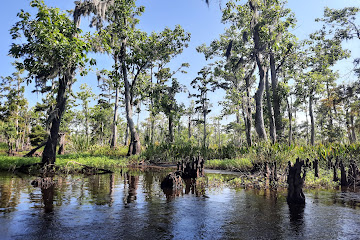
<point x="202" y="21"/>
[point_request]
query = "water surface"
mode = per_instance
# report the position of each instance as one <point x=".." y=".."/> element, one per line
<point x="131" y="205"/>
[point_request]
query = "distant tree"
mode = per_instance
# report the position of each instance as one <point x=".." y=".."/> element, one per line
<point x="85" y="95"/>
<point x="204" y="83"/>
<point x="37" y="135"/>
<point x="15" y="105"/>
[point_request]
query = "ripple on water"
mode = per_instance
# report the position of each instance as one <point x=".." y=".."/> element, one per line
<point x="131" y="205"/>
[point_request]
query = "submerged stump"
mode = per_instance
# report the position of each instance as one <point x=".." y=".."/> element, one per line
<point x="295" y="183"/>
<point x="185" y="170"/>
<point x="173" y="181"/>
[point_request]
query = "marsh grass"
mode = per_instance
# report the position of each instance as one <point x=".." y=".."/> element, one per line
<point x="68" y="163"/>
<point x="239" y="164"/>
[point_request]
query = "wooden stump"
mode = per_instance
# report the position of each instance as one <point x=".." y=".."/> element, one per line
<point x="353" y="174"/>
<point x="343" y="178"/>
<point x="185" y="170"/>
<point x="335" y="167"/>
<point x="173" y="181"/>
<point x="270" y="174"/>
<point x="316" y="168"/>
<point x="295" y="183"/>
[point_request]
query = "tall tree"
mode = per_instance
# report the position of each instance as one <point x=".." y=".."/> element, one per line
<point x="341" y="24"/>
<point x="203" y="83"/>
<point x="51" y="48"/>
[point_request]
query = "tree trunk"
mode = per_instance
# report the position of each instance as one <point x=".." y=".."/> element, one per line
<point x="276" y="97"/>
<point x="259" y="46"/>
<point x="204" y="139"/>
<point x="86" y="123"/>
<point x="31" y="153"/>
<point x="312" y="120"/>
<point x="49" y="154"/>
<point x="259" y="118"/>
<point x="353" y="134"/>
<point x="248" y="112"/>
<point x="189" y="127"/>
<point x="270" y="110"/>
<point x="290" y="121"/>
<point x="114" y="132"/>
<point x="61" y="150"/>
<point x="126" y="134"/>
<point x="152" y="128"/>
<point x="171" y="128"/>
<point x="347" y="121"/>
<point x="135" y="146"/>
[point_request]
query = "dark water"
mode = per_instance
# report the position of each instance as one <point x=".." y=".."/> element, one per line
<point x="131" y="205"/>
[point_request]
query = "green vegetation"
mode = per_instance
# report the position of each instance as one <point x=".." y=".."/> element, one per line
<point x="68" y="163"/>
<point x="241" y="164"/>
<point x="268" y="77"/>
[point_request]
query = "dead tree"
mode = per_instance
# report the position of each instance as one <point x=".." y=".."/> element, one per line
<point x="173" y="181"/>
<point x="335" y="167"/>
<point x="295" y="183"/>
<point x="270" y="174"/>
<point x="353" y="174"/>
<point x="185" y="170"/>
<point x="316" y="168"/>
<point x="343" y="178"/>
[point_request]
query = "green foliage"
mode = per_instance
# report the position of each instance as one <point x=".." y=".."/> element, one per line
<point x="119" y="151"/>
<point x="325" y="179"/>
<point x="50" y="44"/>
<point x="37" y="135"/>
<point x="238" y="164"/>
<point x="80" y="143"/>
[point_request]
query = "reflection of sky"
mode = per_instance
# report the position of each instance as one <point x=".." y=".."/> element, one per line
<point x="202" y="218"/>
<point x="221" y="214"/>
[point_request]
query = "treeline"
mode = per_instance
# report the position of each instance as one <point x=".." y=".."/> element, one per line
<point x="271" y="80"/>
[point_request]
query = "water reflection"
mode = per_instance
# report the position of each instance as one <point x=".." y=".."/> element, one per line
<point x="296" y="217"/>
<point x="9" y="194"/>
<point x="132" y="183"/>
<point x="131" y="205"/>
<point x="48" y="198"/>
<point x="191" y="186"/>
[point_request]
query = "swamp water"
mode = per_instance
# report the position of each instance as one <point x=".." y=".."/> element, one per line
<point x="131" y="205"/>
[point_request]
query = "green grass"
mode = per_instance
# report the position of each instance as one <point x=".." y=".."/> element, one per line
<point x="240" y="164"/>
<point x="10" y="163"/>
<point x="325" y="179"/>
<point x="68" y="162"/>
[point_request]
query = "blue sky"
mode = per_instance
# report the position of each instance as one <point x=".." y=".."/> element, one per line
<point x="195" y="17"/>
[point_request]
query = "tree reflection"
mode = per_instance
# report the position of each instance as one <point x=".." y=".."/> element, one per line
<point x="296" y="216"/>
<point x="191" y="187"/>
<point x="48" y="198"/>
<point x="132" y="187"/>
<point x="9" y="194"/>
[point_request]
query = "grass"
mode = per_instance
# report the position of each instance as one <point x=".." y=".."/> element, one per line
<point x="8" y="163"/>
<point x="325" y="179"/>
<point x="67" y="162"/>
<point x="239" y="164"/>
